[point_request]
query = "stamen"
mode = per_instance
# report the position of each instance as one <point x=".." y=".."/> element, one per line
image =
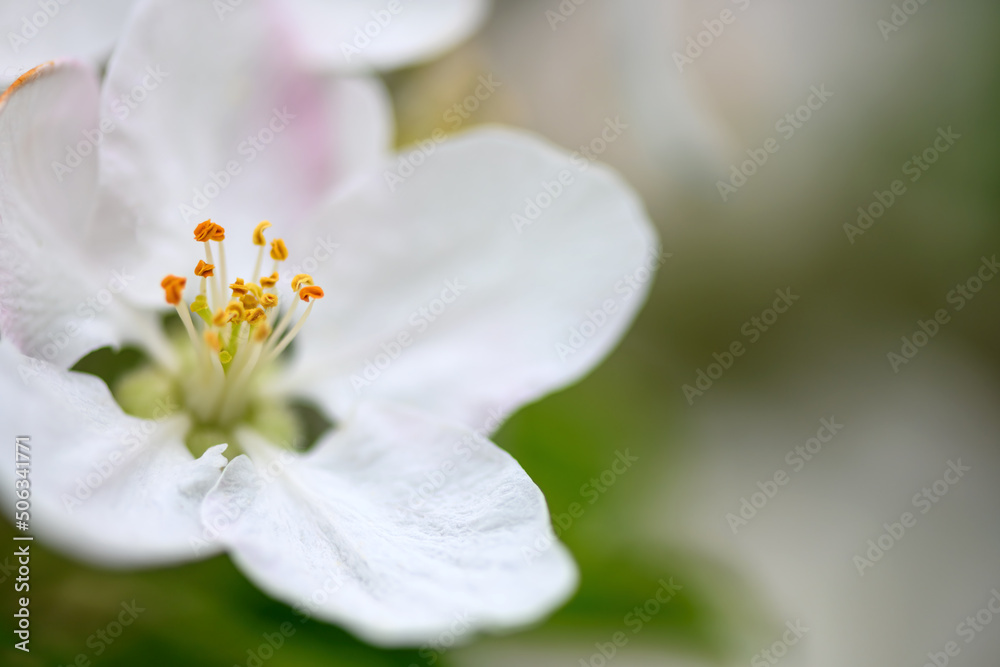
<point x="239" y="288"/>
<point x="222" y="255"/>
<point x="203" y="233"/>
<point x="209" y="231"/>
<point x="204" y="270"/>
<point x="283" y="324"/>
<point x="279" y="253"/>
<point x="249" y="301"/>
<point x="258" y="233"/>
<point x="301" y="279"/>
<point x="259" y="240"/>
<point x="173" y="287"/>
<point x="222" y="317"/>
<point x="188" y="324"/>
<point x="237" y="310"/>
<point x="305" y="293"/>
<point x="227" y="352"/>
<point x="200" y="307"/>
<point x="311" y="291"/>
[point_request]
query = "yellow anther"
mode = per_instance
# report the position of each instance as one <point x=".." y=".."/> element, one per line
<point x="311" y="291"/>
<point x="221" y="336"/>
<point x="173" y="287"/>
<point x="239" y="287"/>
<point x="301" y="280"/>
<point x="279" y="252"/>
<point x="212" y="340"/>
<point x="261" y="331"/>
<point x="209" y="231"/>
<point x="237" y="310"/>
<point x="204" y="269"/>
<point x="249" y="301"/>
<point x="199" y="304"/>
<point x="256" y="315"/>
<point x="258" y="232"/>
<point x="221" y="317"/>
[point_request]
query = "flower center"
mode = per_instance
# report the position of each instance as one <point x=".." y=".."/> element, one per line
<point x="232" y="340"/>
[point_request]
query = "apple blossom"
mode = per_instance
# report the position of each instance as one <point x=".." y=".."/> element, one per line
<point x="342" y="34"/>
<point x="404" y="516"/>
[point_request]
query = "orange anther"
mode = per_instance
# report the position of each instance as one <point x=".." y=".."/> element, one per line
<point x="173" y="287"/>
<point x="239" y="287"/>
<point x="204" y="269"/>
<point x="209" y="231"/>
<point x="312" y="291"/>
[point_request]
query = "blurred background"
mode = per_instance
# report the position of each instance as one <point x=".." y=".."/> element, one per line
<point x="837" y="160"/>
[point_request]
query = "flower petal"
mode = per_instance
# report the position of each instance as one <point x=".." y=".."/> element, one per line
<point x="358" y="34"/>
<point x="211" y="118"/>
<point x="483" y="282"/>
<point x="398" y="527"/>
<point x="105" y="487"/>
<point x="36" y="31"/>
<point x="45" y="282"/>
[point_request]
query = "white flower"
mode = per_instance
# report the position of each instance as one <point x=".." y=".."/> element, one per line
<point x="345" y="34"/>
<point x="491" y="274"/>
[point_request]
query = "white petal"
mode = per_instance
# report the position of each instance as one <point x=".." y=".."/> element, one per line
<point x="35" y="31"/>
<point x="358" y="34"/>
<point x="53" y="303"/>
<point x="212" y="119"/>
<point x="396" y="526"/>
<point x="43" y="113"/>
<point x="105" y="487"/>
<point x="533" y="307"/>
